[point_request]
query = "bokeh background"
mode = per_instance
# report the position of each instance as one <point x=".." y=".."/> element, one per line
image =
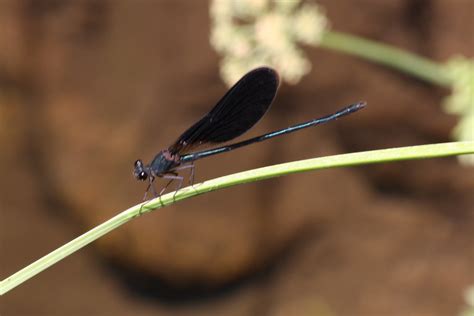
<point x="88" y="87"/>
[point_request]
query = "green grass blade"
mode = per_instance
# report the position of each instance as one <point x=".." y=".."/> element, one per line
<point x="344" y="160"/>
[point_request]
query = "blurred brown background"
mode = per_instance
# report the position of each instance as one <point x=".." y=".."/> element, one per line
<point x="87" y="87"/>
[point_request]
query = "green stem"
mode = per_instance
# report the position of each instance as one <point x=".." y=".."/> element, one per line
<point x="353" y="159"/>
<point x="387" y="55"/>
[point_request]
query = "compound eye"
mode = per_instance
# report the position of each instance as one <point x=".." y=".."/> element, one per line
<point x="142" y="176"/>
<point x="140" y="172"/>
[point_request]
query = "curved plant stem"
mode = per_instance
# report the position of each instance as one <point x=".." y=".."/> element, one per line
<point x="345" y="160"/>
<point x="387" y="55"/>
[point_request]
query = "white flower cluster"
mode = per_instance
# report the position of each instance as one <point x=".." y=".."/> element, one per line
<point x="461" y="101"/>
<point x="252" y="33"/>
<point x="470" y="302"/>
